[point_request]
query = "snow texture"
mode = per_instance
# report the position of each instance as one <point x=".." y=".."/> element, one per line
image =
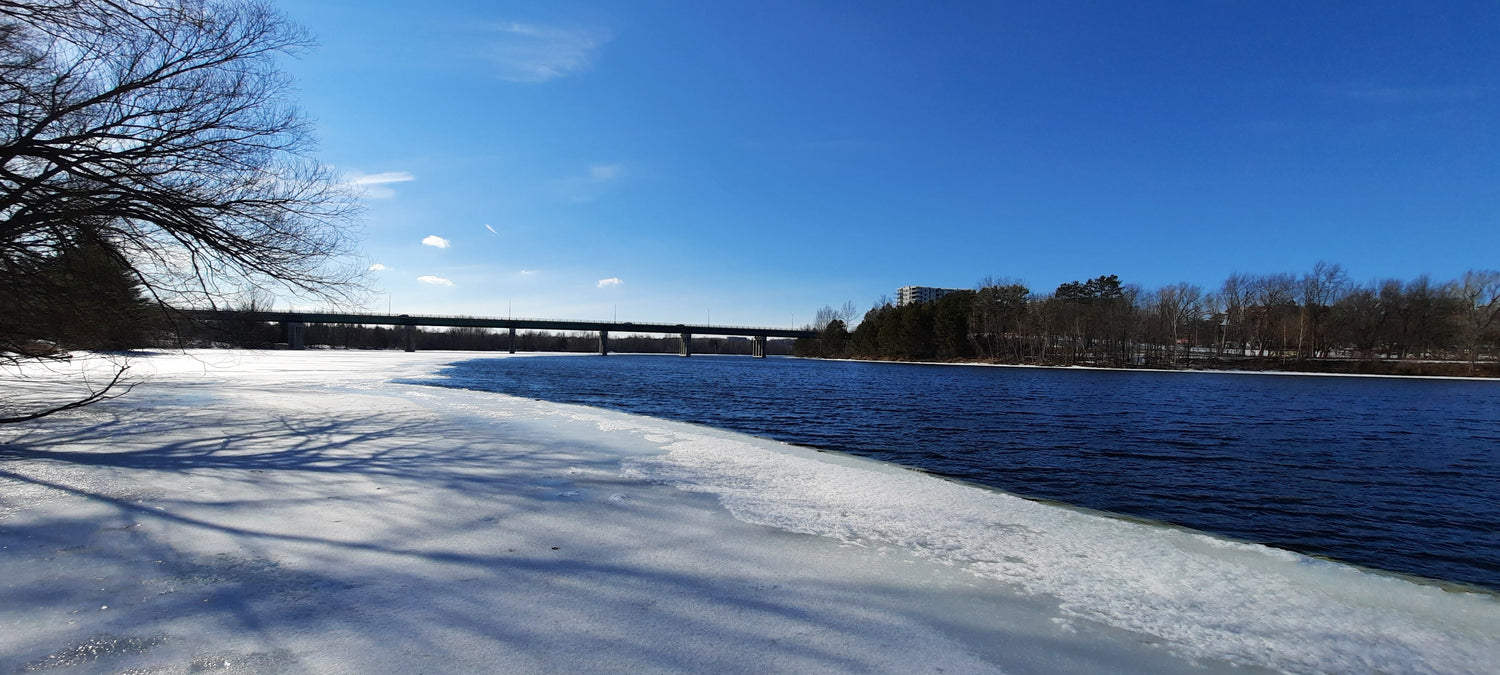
<point x="299" y="512"/>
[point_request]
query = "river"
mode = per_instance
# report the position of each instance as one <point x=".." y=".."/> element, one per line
<point x="1394" y="474"/>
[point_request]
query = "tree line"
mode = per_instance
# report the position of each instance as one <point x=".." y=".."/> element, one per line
<point x="1320" y="320"/>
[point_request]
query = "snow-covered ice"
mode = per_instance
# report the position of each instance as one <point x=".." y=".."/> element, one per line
<point x="300" y="512"/>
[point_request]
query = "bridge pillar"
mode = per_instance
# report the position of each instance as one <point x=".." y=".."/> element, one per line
<point x="603" y="343"/>
<point x="296" y="334"/>
<point x="686" y="349"/>
<point x="758" y="346"/>
<point x="411" y="338"/>
<point x="512" y="340"/>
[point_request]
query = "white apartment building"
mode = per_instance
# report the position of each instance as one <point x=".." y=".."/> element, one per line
<point x="911" y="295"/>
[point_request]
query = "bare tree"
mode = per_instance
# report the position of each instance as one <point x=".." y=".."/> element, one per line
<point x="1426" y="320"/>
<point x="849" y="313"/>
<point x="162" y="130"/>
<point x="1317" y="291"/>
<point x="1235" y="297"/>
<point x="1358" y="318"/>
<point x="824" y="316"/>
<point x="1180" y="307"/>
<point x="1274" y="304"/>
<point x="1479" y="302"/>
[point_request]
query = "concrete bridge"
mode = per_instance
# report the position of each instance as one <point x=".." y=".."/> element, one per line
<point x="295" y="324"/>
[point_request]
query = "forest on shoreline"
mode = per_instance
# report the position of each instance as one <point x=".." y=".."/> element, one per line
<point x="1316" y="322"/>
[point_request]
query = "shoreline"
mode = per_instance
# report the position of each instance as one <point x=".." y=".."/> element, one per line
<point x="1205" y="371"/>
<point x="300" y="512"/>
<point x="482" y="354"/>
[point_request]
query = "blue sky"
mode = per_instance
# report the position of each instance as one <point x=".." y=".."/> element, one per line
<point x="750" y="162"/>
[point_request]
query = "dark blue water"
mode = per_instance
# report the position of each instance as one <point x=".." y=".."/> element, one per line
<point x="1401" y="475"/>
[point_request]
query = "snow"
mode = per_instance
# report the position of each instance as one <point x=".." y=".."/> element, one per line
<point x="299" y="512"/>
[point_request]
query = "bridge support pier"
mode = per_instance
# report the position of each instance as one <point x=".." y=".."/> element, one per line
<point x="296" y="334"/>
<point x="512" y="340"/>
<point x="411" y="338"/>
<point x="604" y="343"/>
<point x="758" y="346"/>
<point x="686" y="348"/>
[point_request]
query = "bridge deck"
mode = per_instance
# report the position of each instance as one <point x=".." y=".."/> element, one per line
<point x="487" y="322"/>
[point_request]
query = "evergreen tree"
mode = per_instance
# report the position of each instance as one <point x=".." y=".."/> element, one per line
<point x="833" y="337"/>
<point x="93" y="300"/>
<point x="950" y="325"/>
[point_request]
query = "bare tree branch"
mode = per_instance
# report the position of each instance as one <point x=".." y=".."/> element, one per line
<point x="94" y="396"/>
<point x="161" y="132"/>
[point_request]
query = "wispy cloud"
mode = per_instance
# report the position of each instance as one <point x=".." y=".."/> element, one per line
<point x="377" y="267"/>
<point x="527" y="273"/>
<point x="612" y="281"/>
<point x="491" y="229"/>
<point x="435" y="281"/>
<point x="592" y="183"/>
<point x="374" y="185"/>
<point x="528" y="53"/>
<point x="436" y="241"/>
<point x="382" y="177"/>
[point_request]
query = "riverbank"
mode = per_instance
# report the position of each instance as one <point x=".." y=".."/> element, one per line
<point x="1352" y="367"/>
<point x="299" y="512"/>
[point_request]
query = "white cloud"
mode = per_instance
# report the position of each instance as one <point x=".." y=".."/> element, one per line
<point x="382" y="177"/>
<point x="377" y="267"/>
<point x="436" y="241"/>
<point x="612" y="281"/>
<point x="491" y="229"/>
<point x="532" y="54"/>
<point x="590" y="185"/>
<point x="527" y="273"/>
<point x="373" y="185"/>
<point x="435" y="281"/>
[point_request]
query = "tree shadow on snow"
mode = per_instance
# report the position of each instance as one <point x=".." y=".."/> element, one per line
<point x="499" y="548"/>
